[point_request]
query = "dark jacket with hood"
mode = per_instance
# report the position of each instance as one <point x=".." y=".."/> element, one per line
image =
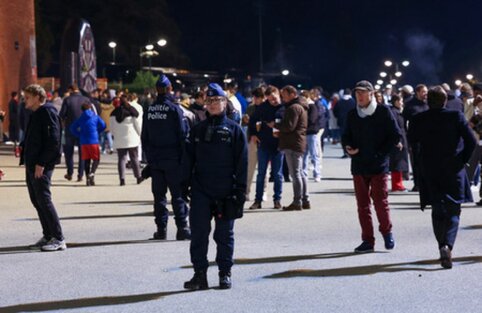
<point x="265" y="113"/>
<point x="293" y="126"/>
<point x="41" y="145"/>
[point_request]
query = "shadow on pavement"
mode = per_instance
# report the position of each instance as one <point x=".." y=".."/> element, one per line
<point x="472" y="227"/>
<point x="73" y="245"/>
<point x="134" y="202"/>
<point x="374" y="269"/>
<point x="87" y="217"/>
<point x="337" y="178"/>
<point x="335" y="191"/>
<point x="291" y="258"/>
<point x="88" y="302"/>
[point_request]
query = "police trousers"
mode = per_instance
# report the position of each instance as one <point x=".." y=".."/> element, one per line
<point x="202" y="208"/>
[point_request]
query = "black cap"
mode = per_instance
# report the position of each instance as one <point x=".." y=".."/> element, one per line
<point x="364" y="85"/>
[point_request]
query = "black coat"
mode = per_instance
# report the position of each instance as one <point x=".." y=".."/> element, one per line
<point x="374" y="136"/>
<point x="446" y="144"/>
<point x="413" y="107"/>
<point x="71" y="110"/>
<point x="454" y="103"/>
<point x="341" y="110"/>
<point x="399" y="158"/>
<point x="41" y="145"/>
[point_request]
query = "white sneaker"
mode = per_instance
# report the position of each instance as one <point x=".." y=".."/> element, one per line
<point x="54" y="245"/>
<point x="317" y="180"/>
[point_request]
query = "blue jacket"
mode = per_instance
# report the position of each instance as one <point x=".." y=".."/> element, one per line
<point x="266" y="113"/>
<point x="164" y="133"/>
<point x="87" y="127"/>
<point x="446" y="144"/>
<point x="219" y="159"/>
<point x="374" y="136"/>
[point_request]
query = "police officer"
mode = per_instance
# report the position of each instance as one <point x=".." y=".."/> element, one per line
<point x="164" y="132"/>
<point x="218" y="153"/>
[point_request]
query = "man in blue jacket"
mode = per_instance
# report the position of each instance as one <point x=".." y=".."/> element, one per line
<point x="446" y="144"/>
<point x="219" y="160"/>
<point x="370" y="135"/>
<point x="40" y="153"/>
<point x="164" y="134"/>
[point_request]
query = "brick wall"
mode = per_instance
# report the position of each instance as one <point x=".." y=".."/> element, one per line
<point x="17" y="24"/>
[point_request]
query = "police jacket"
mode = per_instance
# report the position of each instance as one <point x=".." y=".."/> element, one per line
<point x="218" y="152"/>
<point x="164" y="132"/>
<point x="41" y="145"/>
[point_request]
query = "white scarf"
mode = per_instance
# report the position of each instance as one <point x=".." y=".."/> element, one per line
<point x="369" y="110"/>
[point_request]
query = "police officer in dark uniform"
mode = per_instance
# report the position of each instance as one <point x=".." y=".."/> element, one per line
<point x="218" y="153"/>
<point x="164" y="134"/>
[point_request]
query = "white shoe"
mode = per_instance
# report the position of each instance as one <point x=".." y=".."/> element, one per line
<point x="54" y="245"/>
<point x="317" y="180"/>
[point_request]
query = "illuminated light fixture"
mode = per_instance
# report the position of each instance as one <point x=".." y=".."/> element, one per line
<point x="149" y="47"/>
<point x="285" y="72"/>
<point x="377" y="87"/>
<point x="398" y="74"/>
<point x="112" y="44"/>
<point x="405" y="63"/>
<point x="389" y="86"/>
<point x="388" y="63"/>
<point x="380" y="82"/>
<point x="469" y="76"/>
<point x="174" y="74"/>
<point x="458" y="82"/>
<point x="162" y="42"/>
<point x="383" y="74"/>
<point x="393" y="82"/>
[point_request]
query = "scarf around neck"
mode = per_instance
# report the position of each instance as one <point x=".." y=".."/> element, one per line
<point x="369" y="110"/>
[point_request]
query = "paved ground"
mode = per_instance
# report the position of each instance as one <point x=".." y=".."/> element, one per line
<point x="285" y="261"/>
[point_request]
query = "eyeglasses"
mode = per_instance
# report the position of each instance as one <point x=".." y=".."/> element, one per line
<point x="211" y="100"/>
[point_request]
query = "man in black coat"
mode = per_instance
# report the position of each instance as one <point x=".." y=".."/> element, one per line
<point x="370" y="135"/>
<point x="344" y="105"/>
<point x="40" y="153"/>
<point x="446" y="144"/>
<point x="412" y="107"/>
<point x="70" y="111"/>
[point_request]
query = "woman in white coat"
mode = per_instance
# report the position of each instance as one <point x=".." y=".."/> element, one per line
<point x="125" y="124"/>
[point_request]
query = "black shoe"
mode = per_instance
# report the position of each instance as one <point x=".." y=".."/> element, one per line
<point x="160" y="234"/>
<point x="183" y="233"/>
<point x="68" y="177"/>
<point x="415" y="189"/>
<point x="287" y="180"/>
<point x="277" y="205"/>
<point x="389" y="241"/>
<point x="140" y="180"/>
<point x="225" y="280"/>
<point x="306" y="205"/>
<point x="256" y="205"/>
<point x="445" y="257"/>
<point x="479" y="203"/>
<point x="271" y="179"/>
<point x="198" y="282"/>
<point x="365" y="247"/>
<point x="79" y="178"/>
<point x="344" y="156"/>
<point x="122" y="182"/>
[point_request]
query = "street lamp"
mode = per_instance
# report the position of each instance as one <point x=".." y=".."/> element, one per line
<point x="388" y="63"/>
<point x="458" y="82"/>
<point x="383" y="74"/>
<point x="469" y="76"/>
<point x="112" y="44"/>
<point x="285" y="72"/>
<point x="149" y="47"/>
<point x="405" y="63"/>
<point x="380" y="82"/>
<point x="162" y="42"/>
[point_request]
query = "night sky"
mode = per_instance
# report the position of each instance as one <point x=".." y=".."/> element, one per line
<point x="336" y="43"/>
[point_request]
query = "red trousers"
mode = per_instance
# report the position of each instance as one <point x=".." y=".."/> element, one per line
<point x="397" y="181"/>
<point x="374" y="187"/>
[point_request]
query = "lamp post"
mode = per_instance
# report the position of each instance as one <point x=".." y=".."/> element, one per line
<point x="392" y="72"/>
<point x="150" y="52"/>
<point x="112" y="45"/>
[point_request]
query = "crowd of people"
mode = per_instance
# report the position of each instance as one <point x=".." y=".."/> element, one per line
<point x="205" y="150"/>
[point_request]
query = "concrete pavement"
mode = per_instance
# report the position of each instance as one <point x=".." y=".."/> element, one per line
<point x="285" y="261"/>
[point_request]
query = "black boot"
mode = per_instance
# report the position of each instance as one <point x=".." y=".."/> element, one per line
<point x="122" y="182"/>
<point x="198" y="282"/>
<point x="183" y="233"/>
<point x="160" y="234"/>
<point x="225" y="280"/>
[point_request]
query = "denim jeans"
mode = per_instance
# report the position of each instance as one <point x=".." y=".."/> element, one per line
<point x="276" y="158"/>
<point x="294" y="160"/>
<point x="106" y="141"/>
<point x="312" y="154"/>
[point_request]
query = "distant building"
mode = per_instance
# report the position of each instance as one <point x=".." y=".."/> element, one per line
<point x="18" y="59"/>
